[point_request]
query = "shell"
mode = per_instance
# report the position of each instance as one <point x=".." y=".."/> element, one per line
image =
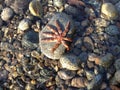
<point x="35" y="8"/>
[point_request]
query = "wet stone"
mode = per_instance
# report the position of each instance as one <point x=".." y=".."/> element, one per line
<point x="70" y="62"/>
<point x="112" y="30"/>
<point x="66" y="74"/>
<point x="46" y="47"/>
<point x="30" y="40"/>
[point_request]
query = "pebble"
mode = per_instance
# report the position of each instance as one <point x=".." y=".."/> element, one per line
<point x="70" y="62"/>
<point x="99" y="22"/>
<point x="35" y="8"/>
<point x="79" y="82"/>
<point x="117" y="5"/>
<point x="6" y="14"/>
<point x="88" y="43"/>
<point x="66" y="74"/>
<point x="109" y="11"/>
<point x="89" y="75"/>
<point x="19" y="6"/>
<point x="105" y="60"/>
<point x="117" y="64"/>
<point x="117" y="76"/>
<point x="24" y="24"/>
<point x="95" y="83"/>
<point x="112" y="30"/>
<point x="46" y="47"/>
<point x="58" y="3"/>
<point x="30" y="40"/>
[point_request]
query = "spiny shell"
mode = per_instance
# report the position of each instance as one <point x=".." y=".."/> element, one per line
<point x="109" y="11"/>
<point x="35" y="8"/>
<point x="70" y="62"/>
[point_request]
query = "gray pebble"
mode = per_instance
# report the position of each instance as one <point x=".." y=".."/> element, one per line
<point x="112" y="30"/>
<point x="70" y="62"/>
<point x="30" y="40"/>
<point x="6" y="14"/>
<point x="95" y="83"/>
<point x="117" y="64"/>
<point x="66" y="74"/>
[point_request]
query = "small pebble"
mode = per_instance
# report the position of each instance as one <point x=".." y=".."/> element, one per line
<point x="70" y="62"/>
<point x="117" y="64"/>
<point x="112" y="30"/>
<point x="88" y="43"/>
<point x="95" y="83"/>
<point x="101" y="22"/>
<point x="105" y="61"/>
<point x="109" y="11"/>
<point x="30" y="40"/>
<point x="117" y="76"/>
<point x="6" y="14"/>
<point x="79" y="82"/>
<point x="66" y="74"/>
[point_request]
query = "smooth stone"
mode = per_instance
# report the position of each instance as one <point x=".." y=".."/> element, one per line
<point x="109" y="11"/>
<point x="6" y="14"/>
<point x="117" y="64"/>
<point x="30" y="40"/>
<point x="24" y="24"/>
<point x="95" y="83"/>
<point x="112" y="30"/>
<point x="89" y="75"/>
<point x="58" y="3"/>
<point x="47" y="46"/>
<point x="66" y="74"/>
<point x="117" y="76"/>
<point x="105" y="60"/>
<point x="70" y="62"/>
<point x="79" y="82"/>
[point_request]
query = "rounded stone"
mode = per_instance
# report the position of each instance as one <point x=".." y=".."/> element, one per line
<point x="112" y="30"/>
<point x="70" y="62"/>
<point x="30" y="40"/>
<point x="79" y="82"/>
<point x="109" y="11"/>
<point x="47" y="46"/>
<point x="66" y="74"/>
<point x="24" y="24"/>
<point x="6" y="14"/>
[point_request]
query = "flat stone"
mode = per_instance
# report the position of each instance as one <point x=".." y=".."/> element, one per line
<point x="47" y="46"/>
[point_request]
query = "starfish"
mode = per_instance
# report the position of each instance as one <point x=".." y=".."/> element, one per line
<point x="57" y="36"/>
